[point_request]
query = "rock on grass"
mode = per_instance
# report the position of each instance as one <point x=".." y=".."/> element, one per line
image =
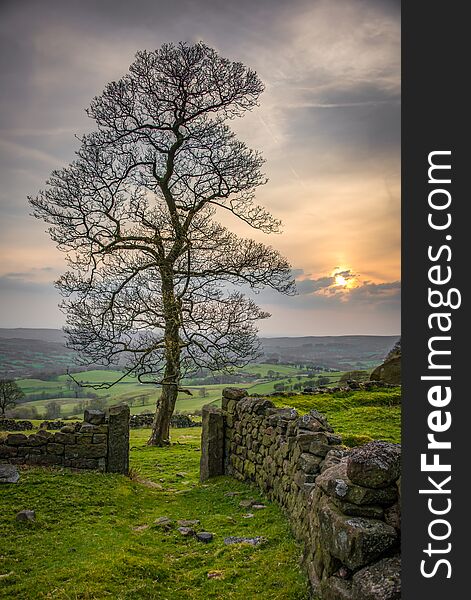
<point x="255" y="541"/>
<point x="26" y="515"/>
<point x="204" y="536"/>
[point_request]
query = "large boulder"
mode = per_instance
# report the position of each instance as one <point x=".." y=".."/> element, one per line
<point x="374" y="465"/>
<point x="388" y="372"/>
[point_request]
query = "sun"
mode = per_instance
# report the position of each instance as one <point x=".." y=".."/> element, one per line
<point x="341" y="281"/>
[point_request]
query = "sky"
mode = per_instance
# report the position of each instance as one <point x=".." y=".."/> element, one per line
<point x="328" y="126"/>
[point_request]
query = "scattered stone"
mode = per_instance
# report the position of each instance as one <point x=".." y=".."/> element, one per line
<point x="9" y="474"/>
<point x="374" y="465"/>
<point x="182" y="475"/>
<point x="255" y="541"/>
<point x="140" y="528"/>
<point x="204" y="536"/>
<point x="247" y="503"/>
<point x="26" y="515"/>
<point x="258" y="506"/>
<point x="163" y="522"/>
<point x="248" y="516"/>
<point x="232" y="494"/>
<point x="188" y="522"/>
<point x="186" y="531"/>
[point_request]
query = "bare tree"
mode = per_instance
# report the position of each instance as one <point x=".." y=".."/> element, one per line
<point x="10" y="394"/>
<point x="155" y="282"/>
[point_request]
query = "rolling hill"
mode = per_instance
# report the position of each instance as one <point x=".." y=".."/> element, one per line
<point x="29" y="352"/>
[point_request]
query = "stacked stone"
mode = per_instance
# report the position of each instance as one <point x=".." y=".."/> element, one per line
<point x="14" y="425"/>
<point x="277" y="449"/>
<point x="80" y="445"/>
<point x="52" y="425"/>
<point x="354" y="525"/>
<point x="146" y="420"/>
<point x="348" y="387"/>
<point x="343" y="504"/>
<point x="183" y="421"/>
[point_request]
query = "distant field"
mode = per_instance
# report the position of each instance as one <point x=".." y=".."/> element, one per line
<point x="142" y="397"/>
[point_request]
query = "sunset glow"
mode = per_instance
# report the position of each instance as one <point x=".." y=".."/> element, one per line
<point x="328" y="126"/>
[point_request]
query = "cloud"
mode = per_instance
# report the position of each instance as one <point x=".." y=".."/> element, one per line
<point x="328" y="126"/>
<point x="308" y="286"/>
<point x="35" y="279"/>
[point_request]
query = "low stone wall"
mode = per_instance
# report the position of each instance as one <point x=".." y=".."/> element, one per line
<point x="52" y="425"/>
<point x="100" y="442"/>
<point x="14" y="425"/>
<point x="146" y="420"/>
<point x="343" y="504"/>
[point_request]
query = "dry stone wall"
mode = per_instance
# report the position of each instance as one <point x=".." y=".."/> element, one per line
<point x="343" y="504"/>
<point x="177" y="421"/>
<point x="15" y="425"/>
<point x="100" y="442"/>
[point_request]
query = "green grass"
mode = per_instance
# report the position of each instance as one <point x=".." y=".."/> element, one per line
<point x="84" y="544"/>
<point x="358" y="416"/>
<point x="263" y="369"/>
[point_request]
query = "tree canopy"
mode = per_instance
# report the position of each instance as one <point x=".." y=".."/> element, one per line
<point x="155" y="283"/>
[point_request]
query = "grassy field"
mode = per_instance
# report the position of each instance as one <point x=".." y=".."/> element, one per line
<point x="141" y="397"/>
<point x="95" y="538"/>
<point x="95" y="535"/>
<point x="358" y="416"/>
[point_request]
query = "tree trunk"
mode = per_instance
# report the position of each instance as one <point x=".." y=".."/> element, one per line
<point x="165" y="405"/>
